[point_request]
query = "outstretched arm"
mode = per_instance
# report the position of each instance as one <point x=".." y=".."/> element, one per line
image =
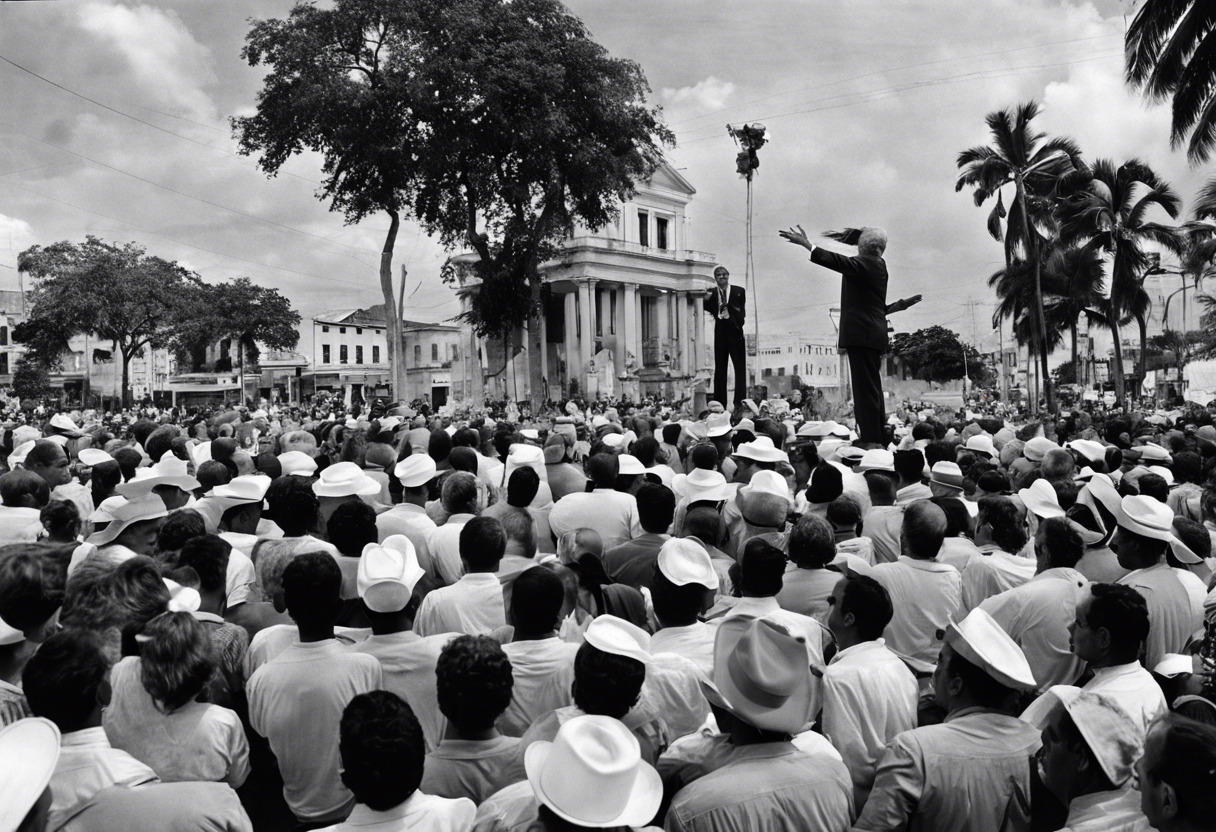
<point x="902" y="304"/>
<point x="819" y="256"/>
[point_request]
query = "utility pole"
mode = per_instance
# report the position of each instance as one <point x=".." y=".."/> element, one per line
<point x="750" y="137"/>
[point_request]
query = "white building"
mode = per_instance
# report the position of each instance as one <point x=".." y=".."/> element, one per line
<point x="630" y="296"/>
<point x="814" y="360"/>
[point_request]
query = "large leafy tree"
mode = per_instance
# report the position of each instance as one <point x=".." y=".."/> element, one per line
<point x="118" y="293"/>
<point x="1105" y="209"/>
<point x="497" y="124"/>
<point x="1171" y="53"/>
<point x="937" y="354"/>
<point x="251" y="316"/>
<point x="1032" y="164"/>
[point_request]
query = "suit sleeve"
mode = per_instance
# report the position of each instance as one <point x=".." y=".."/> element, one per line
<point x="836" y="262"/>
<point x="711" y="304"/>
<point x="742" y="304"/>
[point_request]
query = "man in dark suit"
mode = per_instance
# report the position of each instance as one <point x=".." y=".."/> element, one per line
<point x="863" y="318"/>
<point x="726" y="304"/>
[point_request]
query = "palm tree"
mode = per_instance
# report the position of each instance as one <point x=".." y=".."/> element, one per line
<point x="1072" y="281"/>
<point x="1171" y="53"/>
<point x="1102" y="212"/>
<point x="1021" y="157"/>
<point x="1199" y="242"/>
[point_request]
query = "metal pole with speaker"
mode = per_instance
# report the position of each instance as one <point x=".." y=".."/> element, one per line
<point x="750" y="138"/>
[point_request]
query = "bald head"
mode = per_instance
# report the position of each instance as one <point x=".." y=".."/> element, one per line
<point x="1057" y="464"/>
<point x="924" y="530"/>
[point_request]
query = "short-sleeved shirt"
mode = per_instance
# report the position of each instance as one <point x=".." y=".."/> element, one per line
<point x="473" y="606"/>
<point x="467" y="768"/>
<point x="925" y="596"/>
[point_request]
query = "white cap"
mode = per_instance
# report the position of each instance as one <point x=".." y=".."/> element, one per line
<point x="617" y="636"/>
<point x="93" y="456"/>
<point x="298" y="463"/>
<point x="684" y="562"/>
<point x="388" y="574"/>
<point x="613" y="440"/>
<point x="629" y="466"/>
<point x="877" y="459"/>
<point x="29" y="750"/>
<point x="416" y="470"/>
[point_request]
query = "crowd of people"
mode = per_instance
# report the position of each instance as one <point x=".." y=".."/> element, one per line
<point x="624" y="616"/>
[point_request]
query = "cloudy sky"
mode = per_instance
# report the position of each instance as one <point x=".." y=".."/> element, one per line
<point x="867" y="103"/>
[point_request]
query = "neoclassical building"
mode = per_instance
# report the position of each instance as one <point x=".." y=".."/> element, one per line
<point x="623" y="309"/>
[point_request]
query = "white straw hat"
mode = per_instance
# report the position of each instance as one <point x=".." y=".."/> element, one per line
<point x="29" y="750"/>
<point x="416" y="470"/>
<point x="298" y="463"/>
<point x="388" y="574"/>
<point x="684" y="562"/>
<point x="345" y="479"/>
<point x="169" y="471"/>
<point x="138" y="510"/>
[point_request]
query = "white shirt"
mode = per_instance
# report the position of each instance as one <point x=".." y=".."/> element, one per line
<point x="694" y="642"/>
<point x="1115" y="811"/>
<point x="611" y="513"/>
<point x="1171" y="613"/>
<point x="473" y="606"/>
<point x="444" y="546"/>
<point x="1133" y="687"/>
<point x="1037" y="615"/>
<point x="957" y="552"/>
<point x="991" y="574"/>
<point x="408" y="661"/>
<point x="869" y="696"/>
<point x="273" y="640"/>
<point x="19" y="524"/>
<point x="240" y="575"/>
<point x="912" y="493"/>
<point x="413" y="522"/>
<point x="925" y="596"/>
<point x="419" y="813"/>
<point x="489" y="470"/>
<point x="198" y="741"/>
<point x="87" y="764"/>
<point x="296" y="702"/>
<point x="883" y="525"/>
<point x="532" y="664"/>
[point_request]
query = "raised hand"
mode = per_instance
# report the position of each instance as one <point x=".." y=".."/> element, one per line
<point x="796" y="236"/>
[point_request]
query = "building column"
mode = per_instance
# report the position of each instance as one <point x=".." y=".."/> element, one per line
<point x="698" y="311"/>
<point x="618" y="326"/>
<point x="630" y="332"/>
<point x="572" y="359"/>
<point x="681" y="299"/>
<point x="663" y="314"/>
<point x="586" y="298"/>
<point x="543" y="323"/>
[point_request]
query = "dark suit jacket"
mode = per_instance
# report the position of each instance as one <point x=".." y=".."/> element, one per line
<point x="863" y="297"/>
<point x="735" y="305"/>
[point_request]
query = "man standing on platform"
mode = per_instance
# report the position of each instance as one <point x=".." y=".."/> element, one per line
<point x="726" y="304"/>
<point x="863" y="316"/>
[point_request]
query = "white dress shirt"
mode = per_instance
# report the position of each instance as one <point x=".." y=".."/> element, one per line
<point x="883" y="525"/>
<point x="532" y="664"/>
<point x="413" y="522"/>
<point x="869" y="696"/>
<point x="1114" y="811"/>
<point x="269" y="642"/>
<point x="694" y="642"/>
<point x="408" y="661"/>
<point x="612" y="513"/>
<point x="444" y="546"/>
<point x="992" y="573"/>
<point x="419" y="813"/>
<point x="473" y="606"/>
<point x="296" y="702"/>
<point x="1133" y="687"/>
<point x="1037" y="615"/>
<point x="957" y="552"/>
<point x="87" y="764"/>
<point x="912" y="493"/>
<point x="1171" y="614"/>
<point x="925" y="596"/>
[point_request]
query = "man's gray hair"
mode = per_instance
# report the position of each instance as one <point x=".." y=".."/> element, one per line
<point x="873" y="241"/>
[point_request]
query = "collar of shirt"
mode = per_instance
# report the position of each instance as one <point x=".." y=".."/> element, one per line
<point x="478" y="578"/>
<point x="362" y="815"/>
<point x="926" y="565"/>
<point x="86" y="738"/>
<point x="450" y="749"/>
<point x="1116" y="670"/>
<point x="409" y="508"/>
<point x="457" y="519"/>
<point x="1062" y="573"/>
<point x="754" y="606"/>
<point x="687" y="629"/>
<point x="975" y="710"/>
<point x="860" y="650"/>
<point x="1096" y="806"/>
<point x="200" y="615"/>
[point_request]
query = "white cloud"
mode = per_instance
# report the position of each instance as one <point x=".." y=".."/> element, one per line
<point x="707" y="94"/>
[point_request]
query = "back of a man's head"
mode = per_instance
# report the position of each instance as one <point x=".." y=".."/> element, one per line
<point x="482" y="544"/>
<point x="459" y="494"/>
<point x="20" y="488"/>
<point x="645" y="449"/>
<point x="1005" y="522"/>
<point x="1178" y="774"/>
<point x="1154" y="485"/>
<point x="656" y="508"/>
<point x="1057" y="464"/>
<point x="208" y="556"/>
<point x="705" y="524"/>
<point x="704" y="456"/>
<point x="312" y="584"/>
<point x="520" y="528"/>
<point x="910" y="465"/>
<point x="1064" y="544"/>
<point x="869" y="603"/>
<point x="1122" y="612"/>
<point x="812" y="543"/>
<point x="292" y="505"/>
<point x="924" y="529"/>
<point x="463" y="459"/>
<point x="602" y="470"/>
<point x="212" y="473"/>
<point x="522" y="487"/>
<point x="881" y="486"/>
<point x="62" y="679"/>
<point x="536" y="601"/>
<point x="761" y="569"/>
<point x="351" y="527"/>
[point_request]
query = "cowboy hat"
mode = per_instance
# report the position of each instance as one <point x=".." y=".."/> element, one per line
<point x="297" y="463"/>
<point x="388" y="573"/>
<point x="345" y="479"/>
<point x="761" y="674"/>
<point x="982" y="642"/>
<point x="169" y="471"/>
<point x="1153" y="519"/>
<point x="701" y="484"/>
<point x="137" y="510"/>
<point x="1040" y="500"/>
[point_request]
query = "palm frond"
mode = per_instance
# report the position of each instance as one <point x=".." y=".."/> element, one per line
<point x="1147" y="33"/>
<point x="994" y="218"/>
<point x="1205" y="201"/>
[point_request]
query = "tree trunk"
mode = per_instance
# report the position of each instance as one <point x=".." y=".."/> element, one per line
<point x="392" y="323"/>
<point x="1143" y="353"/>
<point x="240" y="360"/>
<point x="536" y="347"/>
<point x="1076" y="365"/>
<point x="1032" y="245"/>
<point x="126" y="388"/>
<point x="1113" y="316"/>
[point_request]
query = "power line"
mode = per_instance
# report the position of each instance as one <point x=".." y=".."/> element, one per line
<point x="198" y="198"/>
<point x="838" y="81"/>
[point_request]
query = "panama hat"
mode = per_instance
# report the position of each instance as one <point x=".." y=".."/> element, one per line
<point x="1153" y="519"/>
<point x="169" y="471"/>
<point x="761" y="674"/>
<point x="877" y="459"/>
<point x="947" y="475"/>
<point x="611" y="634"/>
<point x="63" y="423"/>
<point x="137" y="510"/>
<point x="701" y="484"/>
<point x="388" y="574"/>
<point x="683" y="562"/>
<point x="717" y="424"/>
<point x="93" y="456"/>
<point x="981" y="443"/>
<point x="761" y="449"/>
<point x="593" y="775"/>
<point x="416" y="470"/>
<point x="1088" y="448"/>
<point x="345" y="479"/>
<point x="1040" y="500"/>
<point x="1155" y="453"/>
<point x="241" y="491"/>
<point x="29" y="750"/>
<point x="981" y="641"/>
<point x="104" y="513"/>
<point x="297" y="463"/>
